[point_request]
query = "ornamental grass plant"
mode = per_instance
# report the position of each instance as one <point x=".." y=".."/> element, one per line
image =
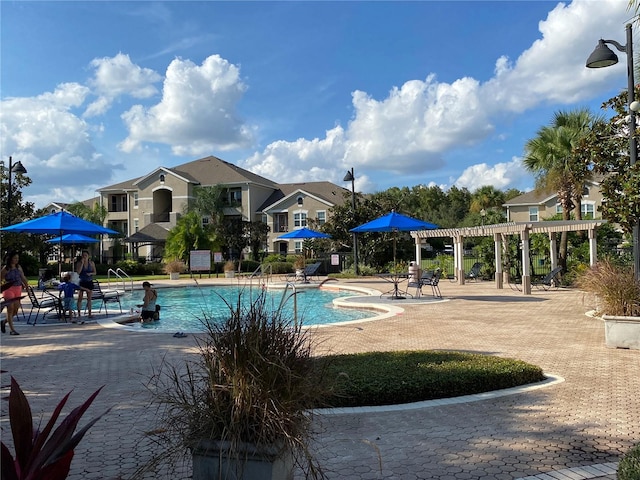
<point x="614" y="286"/>
<point x="253" y="381"/>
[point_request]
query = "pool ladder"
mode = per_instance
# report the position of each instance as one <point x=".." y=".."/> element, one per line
<point x="285" y="298"/>
<point x="121" y="276"/>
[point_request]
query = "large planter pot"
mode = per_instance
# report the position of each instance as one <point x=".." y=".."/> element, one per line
<point x="211" y="460"/>
<point x="622" y="332"/>
<point x="174" y="275"/>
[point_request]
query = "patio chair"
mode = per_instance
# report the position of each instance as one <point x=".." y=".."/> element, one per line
<point x="474" y="273"/>
<point x="104" y="297"/>
<point x="308" y="273"/>
<point x="550" y="280"/>
<point x="47" y="302"/>
<point x="431" y="279"/>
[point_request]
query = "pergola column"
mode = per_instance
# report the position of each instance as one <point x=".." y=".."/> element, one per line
<point x="418" y="252"/>
<point x="553" y="250"/>
<point x="526" y="268"/>
<point x="593" y="247"/>
<point x="497" y="244"/>
<point x="458" y="252"/>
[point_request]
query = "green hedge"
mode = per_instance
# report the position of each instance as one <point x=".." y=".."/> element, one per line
<point x="385" y="378"/>
<point x="629" y="467"/>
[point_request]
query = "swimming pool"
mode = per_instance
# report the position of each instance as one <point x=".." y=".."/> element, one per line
<point x="183" y="308"/>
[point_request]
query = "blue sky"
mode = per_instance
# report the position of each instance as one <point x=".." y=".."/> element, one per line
<point x="406" y="93"/>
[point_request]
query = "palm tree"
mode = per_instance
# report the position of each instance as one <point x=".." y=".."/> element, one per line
<point x="554" y="159"/>
<point x="485" y="198"/>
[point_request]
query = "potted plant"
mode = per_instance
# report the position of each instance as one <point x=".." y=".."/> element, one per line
<point x="298" y="265"/>
<point x="174" y="268"/>
<point x="229" y="269"/>
<point x="617" y="295"/>
<point x="241" y="409"/>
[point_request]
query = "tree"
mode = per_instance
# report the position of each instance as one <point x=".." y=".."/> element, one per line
<point x="18" y="211"/>
<point x="485" y="198"/>
<point x="209" y="202"/>
<point x="554" y="157"/>
<point x="96" y="214"/>
<point x="607" y="146"/>
<point x="187" y="235"/>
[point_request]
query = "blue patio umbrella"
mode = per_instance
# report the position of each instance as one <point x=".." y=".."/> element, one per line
<point x="73" y="239"/>
<point x="394" y="222"/>
<point x="302" y="233"/>
<point x="59" y="223"/>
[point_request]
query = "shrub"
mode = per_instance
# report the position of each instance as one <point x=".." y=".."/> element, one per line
<point x="253" y="381"/>
<point x="615" y="285"/>
<point x="274" y="257"/>
<point x="385" y="378"/>
<point x="175" y="266"/>
<point x="629" y="467"/>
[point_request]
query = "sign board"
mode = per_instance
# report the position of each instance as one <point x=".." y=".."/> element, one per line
<point x="335" y="259"/>
<point x="200" y="260"/>
<point x="217" y="257"/>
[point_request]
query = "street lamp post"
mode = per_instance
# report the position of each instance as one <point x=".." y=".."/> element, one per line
<point x="483" y="213"/>
<point x="603" y="56"/>
<point x="349" y="177"/>
<point x="13" y="168"/>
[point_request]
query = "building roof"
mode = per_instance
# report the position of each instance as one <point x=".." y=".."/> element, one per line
<point x="325" y="191"/>
<point x="212" y="171"/>
<point x="152" y="233"/>
<point x="536" y="197"/>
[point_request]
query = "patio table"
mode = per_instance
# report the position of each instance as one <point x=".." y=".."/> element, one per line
<point x="396" y="293"/>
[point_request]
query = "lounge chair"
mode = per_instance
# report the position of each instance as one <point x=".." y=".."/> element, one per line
<point x="104" y="296"/>
<point x="431" y="279"/>
<point x="308" y="273"/>
<point x="550" y="280"/>
<point x="47" y="302"/>
<point x="474" y="273"/>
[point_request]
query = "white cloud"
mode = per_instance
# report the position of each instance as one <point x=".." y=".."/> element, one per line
<point x="413" y="128"/>
<point x="197" y="113"/>
<point x="51" y="141"/>
<point x="117" y="76"/>
<point x="500" y="175"/>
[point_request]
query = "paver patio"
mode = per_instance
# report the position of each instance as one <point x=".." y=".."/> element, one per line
<point x="589" y="419"/>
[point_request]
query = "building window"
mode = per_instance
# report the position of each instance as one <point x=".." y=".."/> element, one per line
<point x="233" y="197"/>
<point x="321" y="217"/>
<point x="162" y="178"/>
<point x="135" y="199"/>
<point x="264" y="218"/>
<point x="135" y="225"/>
<point x="533" y="214"/>
<point x="300" y="219"/>
<point x="558" y="208"/>
<point x="588" y="211"/>
<point x="297" y="246"/>
<point x="300" y="201"/>
<point x="585" y="191"/>
<point x="205" y="221"/>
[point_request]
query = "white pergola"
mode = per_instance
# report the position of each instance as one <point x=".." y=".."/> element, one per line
<point x="500" y="232"/>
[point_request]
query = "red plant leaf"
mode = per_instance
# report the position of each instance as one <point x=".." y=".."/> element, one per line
<point x="58" y="470"/>
<point x="41" y="437"/>
<point x="7" y="466"/>
<point x="60" y="442"/>
<point x="21" y="423"/>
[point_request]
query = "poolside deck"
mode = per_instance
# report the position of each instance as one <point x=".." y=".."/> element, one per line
<point x="567" y="428"/>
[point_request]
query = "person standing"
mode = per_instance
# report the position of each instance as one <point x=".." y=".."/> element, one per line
<point x="148" y="313"/>
<point x="13" y="275"/>
<point x="86" y="269"/>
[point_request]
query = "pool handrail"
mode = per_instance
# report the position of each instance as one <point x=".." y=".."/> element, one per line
<point x="120" y="277"/>
<point x="267" y="271"/>
<point x="284" y="299"/>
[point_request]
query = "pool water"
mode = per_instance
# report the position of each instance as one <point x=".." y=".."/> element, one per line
<point x="183" y="308"/>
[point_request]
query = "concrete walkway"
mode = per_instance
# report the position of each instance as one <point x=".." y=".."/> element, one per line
<point x="573" y="429"/>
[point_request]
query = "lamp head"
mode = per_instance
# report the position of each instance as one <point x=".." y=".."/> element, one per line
<point x="18" y="168"/>
<point x="348" y="177"/>
<point x="602" y="56"/>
